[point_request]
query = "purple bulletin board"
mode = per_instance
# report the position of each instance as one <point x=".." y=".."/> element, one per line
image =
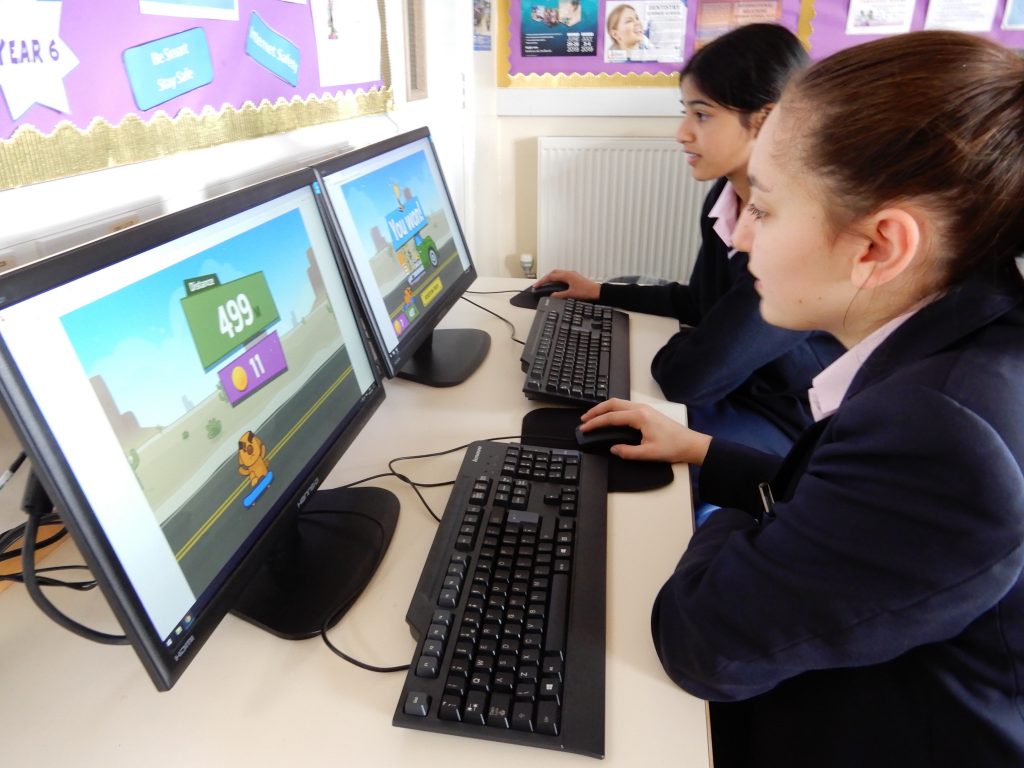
<point x="820" y="25"/>
<point x="99" y="33"/>
<point x="828" y="27"/>
<point x="88" y="85"/>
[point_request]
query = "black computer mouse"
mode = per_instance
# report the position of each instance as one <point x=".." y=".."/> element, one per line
<point x="546" y="289"/>
<point x="601" y="439"/>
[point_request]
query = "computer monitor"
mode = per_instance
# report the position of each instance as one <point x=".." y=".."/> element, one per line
<point x="182" y="388"/>
<point x="405" y="249"/>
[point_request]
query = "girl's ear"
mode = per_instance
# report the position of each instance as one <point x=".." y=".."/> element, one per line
<point x="892" y="241"/>
<point x="757" y="118"/>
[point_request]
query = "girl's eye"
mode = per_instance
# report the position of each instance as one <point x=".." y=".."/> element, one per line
<point x="701" y="116"/>
<point x="756" y="212"/>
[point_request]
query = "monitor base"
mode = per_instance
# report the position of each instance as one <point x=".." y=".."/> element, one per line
<point x="319" y="569"/>
<point x="448" y="357"/>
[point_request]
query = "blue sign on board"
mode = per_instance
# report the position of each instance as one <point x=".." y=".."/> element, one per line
<point x="162" y="69"/>
<point x="278" y="54"/>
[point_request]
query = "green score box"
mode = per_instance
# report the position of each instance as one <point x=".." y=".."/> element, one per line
<point x="223" y="317"/>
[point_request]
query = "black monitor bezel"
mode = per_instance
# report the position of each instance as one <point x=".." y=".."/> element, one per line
<point x="164" y="665"/>
<point x="421" y="333"/>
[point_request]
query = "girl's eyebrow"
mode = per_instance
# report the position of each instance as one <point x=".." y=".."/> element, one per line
<point x="698" y="103"/>
<point x="754" y="182"/>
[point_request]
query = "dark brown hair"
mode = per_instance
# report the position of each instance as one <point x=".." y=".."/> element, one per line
<point x="935" y="117"/>
<point x="746" y="69"/>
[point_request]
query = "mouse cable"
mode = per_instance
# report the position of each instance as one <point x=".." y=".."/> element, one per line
<point x="46" y="581"/>
<point x="32" y="586"/>
<point x="505" y="320"/>
<point x="332" y="617"/>
<point x="17" y="533"/>
<point x="405" y="480"/>
<point x="416" y="486"/>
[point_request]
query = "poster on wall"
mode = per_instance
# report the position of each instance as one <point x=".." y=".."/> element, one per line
<point x="1013" y="16"/>
<point x="964" y="15"/>
<point x="195" y="9"/>
<point x="644" y="31"/>
<point x="590" y="39"/>
<point x="482" y="25"/>
<point x="715" y="19"/>
<point x="879" y="17"/>
<point x="64" y="64"/>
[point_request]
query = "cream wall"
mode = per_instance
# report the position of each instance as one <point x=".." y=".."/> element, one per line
<point x="502" y="209"/>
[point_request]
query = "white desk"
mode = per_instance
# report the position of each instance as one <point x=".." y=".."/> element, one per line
<point x="251" y="699"/>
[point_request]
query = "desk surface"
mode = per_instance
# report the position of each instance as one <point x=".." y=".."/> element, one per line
<point x="252" y="699"/>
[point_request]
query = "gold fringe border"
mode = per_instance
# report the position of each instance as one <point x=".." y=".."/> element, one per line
<point x="30" y="156"/>
<point x="595" y="80"/>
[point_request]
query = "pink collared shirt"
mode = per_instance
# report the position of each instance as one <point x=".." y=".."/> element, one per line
<point x="829" y="387"/>
<point x="725" y="213"/>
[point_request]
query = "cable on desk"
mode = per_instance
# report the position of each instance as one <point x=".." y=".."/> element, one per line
<point x="492" y="293"/>
<point x="415" y="486"/>
<point x="46" y="581"/>
<point x="505" y="320"/>
<point x="333" y="616"/>
<point x="32" y="583"/>
<point x="17" y="533"/>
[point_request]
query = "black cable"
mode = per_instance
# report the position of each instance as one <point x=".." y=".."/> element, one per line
<point x="408" y="482"/>
<point x="18" y="533"/>
<point x="28" y="571"/>
<point x="45" y="581"/>
<point x="333" y="616"/>
<point x="506" y="321"/>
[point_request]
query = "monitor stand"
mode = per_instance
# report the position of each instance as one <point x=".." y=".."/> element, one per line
<point x="322" y="564"/>
<point x="447" y="357"/>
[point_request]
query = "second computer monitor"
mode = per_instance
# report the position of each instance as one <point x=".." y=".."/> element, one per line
<point x="406" y="252"/>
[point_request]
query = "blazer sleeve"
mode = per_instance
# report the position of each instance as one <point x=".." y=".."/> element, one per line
<point x="898" y="534"/>
<point x="670" y="300"/>
<point x="703" y="364"/>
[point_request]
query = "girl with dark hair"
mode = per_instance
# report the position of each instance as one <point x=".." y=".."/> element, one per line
<point x="738" y="376"/>
<point x="861" y="602"/>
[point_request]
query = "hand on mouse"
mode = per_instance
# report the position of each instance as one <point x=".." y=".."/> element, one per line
<point x="664" y="439"/>
<point x="580" y="287"/>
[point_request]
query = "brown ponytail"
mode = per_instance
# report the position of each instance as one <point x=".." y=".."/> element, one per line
<point x="936" y="117"/>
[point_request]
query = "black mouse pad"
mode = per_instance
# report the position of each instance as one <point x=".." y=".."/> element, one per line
<point x="556" y="428"/>
<point x="525" y="298"/>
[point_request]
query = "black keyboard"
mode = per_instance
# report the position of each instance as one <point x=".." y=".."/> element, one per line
<point x="509" y="611"/>
<point x="577" y="353"/>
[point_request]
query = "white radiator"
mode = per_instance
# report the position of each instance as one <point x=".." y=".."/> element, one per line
<point x="611" y="207"/>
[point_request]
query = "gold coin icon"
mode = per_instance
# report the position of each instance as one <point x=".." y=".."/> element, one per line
<point x="239" y="379"/>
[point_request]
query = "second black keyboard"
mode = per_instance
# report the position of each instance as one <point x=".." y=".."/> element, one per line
<point x="577" y="353"/>
<point x="509" y="611"/>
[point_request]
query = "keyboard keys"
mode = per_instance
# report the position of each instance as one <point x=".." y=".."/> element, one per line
<point x="577" y="353"/>
<point x="494" y="656"/>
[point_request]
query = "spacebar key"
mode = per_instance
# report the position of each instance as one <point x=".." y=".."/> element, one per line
<point x="558" y="614"/>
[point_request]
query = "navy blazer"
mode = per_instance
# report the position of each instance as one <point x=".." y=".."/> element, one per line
<point x="725" y="349"/>
<point x="878" y="618"/>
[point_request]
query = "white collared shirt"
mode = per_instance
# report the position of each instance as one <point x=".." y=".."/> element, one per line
<point x="829" y="387"/>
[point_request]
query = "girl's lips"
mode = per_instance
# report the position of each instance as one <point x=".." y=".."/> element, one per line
<point x="692" y="158"/>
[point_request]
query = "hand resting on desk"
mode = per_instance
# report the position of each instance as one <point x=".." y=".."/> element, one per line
<point x="664" y="439"/>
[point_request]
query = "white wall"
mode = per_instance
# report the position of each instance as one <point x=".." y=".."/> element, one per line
<point x="504" y="209"/>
